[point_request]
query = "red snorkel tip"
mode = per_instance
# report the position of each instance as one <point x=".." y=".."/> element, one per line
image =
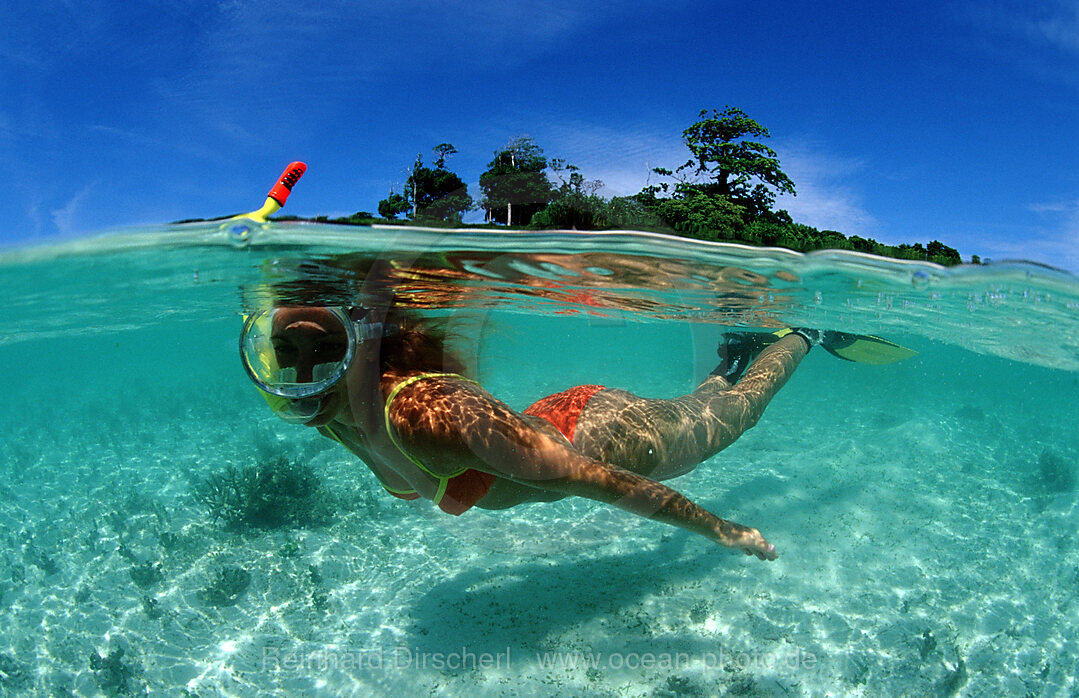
<point x="286" y="181"/>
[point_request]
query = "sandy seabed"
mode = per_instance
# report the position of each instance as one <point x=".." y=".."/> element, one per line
<point x="926" y="547"/>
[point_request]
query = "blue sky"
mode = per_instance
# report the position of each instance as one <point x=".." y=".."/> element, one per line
<point x="904" y="122"/>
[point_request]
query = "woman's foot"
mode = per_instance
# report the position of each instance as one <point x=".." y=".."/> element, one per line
<point x="737" y="351"/>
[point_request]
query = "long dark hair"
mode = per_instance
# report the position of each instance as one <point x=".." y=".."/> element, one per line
<point x="415" y="343"/>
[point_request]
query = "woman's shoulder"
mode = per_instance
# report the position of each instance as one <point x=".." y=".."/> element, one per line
<point x="421" y="382"/>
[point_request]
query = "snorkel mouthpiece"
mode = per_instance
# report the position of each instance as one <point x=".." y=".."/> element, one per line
<point x="300" y="411"/>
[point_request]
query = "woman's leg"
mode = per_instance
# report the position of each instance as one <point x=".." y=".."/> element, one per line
<point x="662" y="439"/>
<point x="666" y="438"/>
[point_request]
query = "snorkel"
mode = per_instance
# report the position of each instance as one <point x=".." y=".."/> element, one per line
<point x="262" y="363"/>
<point x="278" y="194"/>
<point x="240" y="228"/>
<point x="298" y="355"/>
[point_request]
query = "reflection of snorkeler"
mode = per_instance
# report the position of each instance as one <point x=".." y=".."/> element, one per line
<point x="388" y="389"/>
<point x="594" y="282"/>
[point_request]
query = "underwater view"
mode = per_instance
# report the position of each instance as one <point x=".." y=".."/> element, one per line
<point x="164" y="533"/>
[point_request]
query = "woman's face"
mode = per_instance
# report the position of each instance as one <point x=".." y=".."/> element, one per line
<point x="313" y="342"/>
<point x="306" y="338"/>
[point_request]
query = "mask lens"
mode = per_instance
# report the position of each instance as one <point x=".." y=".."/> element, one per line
<point x="297" y="352"/>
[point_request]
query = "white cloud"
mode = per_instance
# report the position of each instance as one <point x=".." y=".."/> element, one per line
<point x="1055" y="22"/>
<point x="623" y="160"/>
<point x="346" y="46"/>
<point x="64" y="218"/>
<point x="1067" y="209"/>
<point x="242" y="66"/>
<point x="824" y="199"/>
<point x="33" y="216"/>
<point x="1054" y="242"/>
<point x="1059" y="241"/>
<point x="1060" y="26"/>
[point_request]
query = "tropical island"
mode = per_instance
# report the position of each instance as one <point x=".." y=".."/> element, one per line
<point x="724" y="192"/>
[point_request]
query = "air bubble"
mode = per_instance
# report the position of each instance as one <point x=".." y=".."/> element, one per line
<point x="240" y="233"/>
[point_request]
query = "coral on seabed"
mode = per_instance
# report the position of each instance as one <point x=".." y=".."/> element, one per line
<point x="269" y="495"/>
<point x="226" y="587"/>
<point x="114" y="676"/>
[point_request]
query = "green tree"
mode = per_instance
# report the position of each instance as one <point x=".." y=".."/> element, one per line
<point x="570" y="179"/>
<point x="727" y="164"/>
<point x="435" y="194"/>
<point x="628" y="212"/>
<point x="574" y="204"/>
<point x="915" y="251"/>
<point x="515" y="186"/>
<point x="700" y="215"/>
<point x="572" y="210"/>
<point x="393" y="206"/>
<point x="940" y="253"/>
<point x="740" y="169"/>
<point x="443" y="151"/>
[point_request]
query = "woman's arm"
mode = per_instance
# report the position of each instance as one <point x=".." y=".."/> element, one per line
<point x="448" y="424"/>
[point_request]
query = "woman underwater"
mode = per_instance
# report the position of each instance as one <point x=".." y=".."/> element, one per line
<point x="386" y="387"/>
<point x="383" y="382"/>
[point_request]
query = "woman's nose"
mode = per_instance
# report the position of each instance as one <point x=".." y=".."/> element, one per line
<point x="305" y="366"/>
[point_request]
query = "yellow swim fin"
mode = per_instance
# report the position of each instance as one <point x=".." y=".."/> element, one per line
<point x="864" y="348"/>
<point x="860" y="348"/>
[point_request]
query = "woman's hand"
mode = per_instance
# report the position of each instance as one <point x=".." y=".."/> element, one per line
<point x="748" y="540"/>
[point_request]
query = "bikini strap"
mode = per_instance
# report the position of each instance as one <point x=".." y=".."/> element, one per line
<point x="443" y="479"/>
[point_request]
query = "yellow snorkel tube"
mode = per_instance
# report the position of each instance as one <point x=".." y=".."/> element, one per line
<point x="242" y="226"/>
<point x="278" y="195"/>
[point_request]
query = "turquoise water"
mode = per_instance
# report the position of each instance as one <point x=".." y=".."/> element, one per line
<point x="925" y="512"/>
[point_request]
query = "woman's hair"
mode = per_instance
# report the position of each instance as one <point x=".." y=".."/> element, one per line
<point x="417" y="344"/>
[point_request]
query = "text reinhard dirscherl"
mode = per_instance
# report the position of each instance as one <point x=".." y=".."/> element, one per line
<point x="404" y="658"/>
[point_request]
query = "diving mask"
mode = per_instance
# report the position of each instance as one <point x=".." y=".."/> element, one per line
<point x="296" y="355"/>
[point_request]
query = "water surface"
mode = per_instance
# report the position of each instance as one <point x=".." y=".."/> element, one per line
<point x="924" y="511"/>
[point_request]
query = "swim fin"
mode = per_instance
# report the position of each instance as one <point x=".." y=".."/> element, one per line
<point x="860" y="348"/>
<point x="864" y="348"/>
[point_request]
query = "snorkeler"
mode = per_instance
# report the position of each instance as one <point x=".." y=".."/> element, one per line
<point x="383" y="382"/>
<point x="426" y="431"/>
